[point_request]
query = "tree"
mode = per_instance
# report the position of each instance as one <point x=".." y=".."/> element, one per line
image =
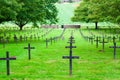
<point x="8" y="10"/>
<point x="89" y="11"/>
<point x="42" y="11"/>
<point x="22" y="12"/>
<point x="112" y="10"/>
<point x="98" y="10"/>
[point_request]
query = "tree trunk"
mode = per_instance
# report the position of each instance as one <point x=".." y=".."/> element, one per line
<point x="21" y="26"/>
<point x="96" y="25"/>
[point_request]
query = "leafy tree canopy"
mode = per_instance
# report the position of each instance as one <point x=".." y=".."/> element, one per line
<point x="97" y="11"/>
<point x="35" y="11"/>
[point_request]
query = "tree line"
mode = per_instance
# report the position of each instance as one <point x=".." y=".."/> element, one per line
<point x="97" y="11"/>
<point x="22" y="12"/>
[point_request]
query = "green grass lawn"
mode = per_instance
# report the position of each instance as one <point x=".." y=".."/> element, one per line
<point x="47" y="63"/>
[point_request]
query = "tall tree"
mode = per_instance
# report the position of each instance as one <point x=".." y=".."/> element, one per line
<point x="89" y="11"/>
<point x="42" y="11"/>
<point x="112" y="10"/>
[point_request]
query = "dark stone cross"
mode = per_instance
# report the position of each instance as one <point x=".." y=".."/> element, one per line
<point x="70" y="57"/>
<point x="29" y="49"/>
<point x="114" y="49"/>
<point x="97" y="40"/>
<point x="21" y="38"/>
<point x="15" y="38"/>
<point x="91" y="40"/>
<point x="8" y="62"/>
<point x="103" y="43"/>
<point x="46" y="42"/>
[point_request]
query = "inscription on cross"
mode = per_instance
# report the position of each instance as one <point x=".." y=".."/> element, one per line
<point x="70" y="57"/>
<point x="8" y="62"/>
<point x="114" y="49"/>
<point x="29" y="50"/>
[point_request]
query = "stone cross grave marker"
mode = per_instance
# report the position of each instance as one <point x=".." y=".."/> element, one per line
<point x="97" y="41"/>
<point x="46" y="42"/>
<point x="91" y="40"/>
<point x="21" y="38"/>
<point x="29" y="50"/>
<point x="103" y="43"/>
<point x="114" y="49"/>
<point x="8" y="62"/>
<point x="15" y="38"/>
<point x="70" y="57"/>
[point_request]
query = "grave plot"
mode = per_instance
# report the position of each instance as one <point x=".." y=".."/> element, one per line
<point x="48" y="62"/>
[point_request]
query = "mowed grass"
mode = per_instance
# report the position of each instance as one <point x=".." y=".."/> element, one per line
<point x="47" y="63"/>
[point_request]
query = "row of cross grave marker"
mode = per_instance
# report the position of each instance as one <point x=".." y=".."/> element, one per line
<point x="70" y="57"/>
<point x="8" y="58"/>
<point x="4" y="41"/>
<point x="54" y="39"/>
<point x="6" y="38"/>
<point x="98" y="40"/>
<point x="51" y="40"/>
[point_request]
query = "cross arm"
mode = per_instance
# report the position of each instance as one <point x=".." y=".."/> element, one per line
<point x="32" y="47"/>
<point x="70" y="47"/>
<point x="111" y="46"/>
<point x="2" y="58"/>
<point x="65" y="57"/>
<point x="11" y="58"/>
<point x="103" y="42"/>
<point x="114" y="47"/>
<point x="73" y="57"/>
<point x="25" y="47"/>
